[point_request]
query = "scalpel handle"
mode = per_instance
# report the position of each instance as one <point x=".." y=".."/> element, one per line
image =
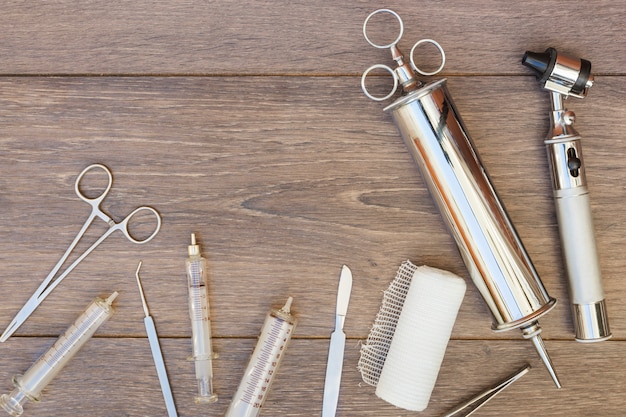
<point x="333" y="373"/>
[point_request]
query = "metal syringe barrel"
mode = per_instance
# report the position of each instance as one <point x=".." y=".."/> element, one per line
<point x="490" y="247"/>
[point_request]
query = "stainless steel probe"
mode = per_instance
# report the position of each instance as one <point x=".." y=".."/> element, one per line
<point x="153" y="338"/>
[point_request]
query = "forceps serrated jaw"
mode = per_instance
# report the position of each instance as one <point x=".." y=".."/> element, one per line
<point x="49" y="283"/>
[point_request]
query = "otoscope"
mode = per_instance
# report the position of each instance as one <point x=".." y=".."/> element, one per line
<point x="565" y="76"/>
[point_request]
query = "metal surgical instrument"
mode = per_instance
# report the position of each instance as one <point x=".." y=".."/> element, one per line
<point x="473" y="404"/>
<point x="153" y="338"/>
<point x="50" y="283"/>
<point x="565" y="76"/>
<point x="337" y="346"/>
<point x="444" y="152"/>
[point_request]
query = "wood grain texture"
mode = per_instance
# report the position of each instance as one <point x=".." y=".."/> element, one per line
<point x="282" y="187"/>
<point x="102" y="382"/>
<point x="297" y="37"/>
<point x="245" y="124"/>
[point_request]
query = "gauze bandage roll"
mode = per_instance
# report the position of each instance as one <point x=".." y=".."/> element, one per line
<point x="408" y="369"/>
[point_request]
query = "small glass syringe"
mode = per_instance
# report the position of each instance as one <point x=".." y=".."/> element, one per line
<point x="264" y="362"/>
<point x="43" y="371"/>
<point x="203" y="355"/>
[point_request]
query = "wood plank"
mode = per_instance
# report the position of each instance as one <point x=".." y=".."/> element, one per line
<point x="102" y="382"/>
<point x="284" y="180"/>
<point x="298" y="37"/>
<point x="245" y="123"/>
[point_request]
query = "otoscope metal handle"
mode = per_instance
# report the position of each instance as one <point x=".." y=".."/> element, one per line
<point x="573" y="210"/>
<point x="565" y="76"/>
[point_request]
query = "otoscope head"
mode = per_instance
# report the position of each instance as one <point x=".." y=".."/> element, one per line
<point x="560" y="73"/>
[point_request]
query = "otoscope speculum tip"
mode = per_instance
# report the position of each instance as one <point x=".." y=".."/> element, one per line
<point x="541" y="62"/>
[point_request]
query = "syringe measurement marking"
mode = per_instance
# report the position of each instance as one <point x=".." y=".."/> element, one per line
<point x="199" y="308"/>
<point x="196" y="274"/>
<point x="256" y="381"/>
<point x="198" y="293"/>
<point x="67" y="343"/>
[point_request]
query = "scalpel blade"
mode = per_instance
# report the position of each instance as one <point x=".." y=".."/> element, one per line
<point x="337" y="345"/>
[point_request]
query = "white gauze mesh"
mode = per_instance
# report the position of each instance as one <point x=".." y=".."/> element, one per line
<point x="374" y="351"/>
<point x="405" y="349"/>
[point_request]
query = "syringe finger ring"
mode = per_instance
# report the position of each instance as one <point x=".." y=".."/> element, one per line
<point x="380" y="11"/>
<point x="389" y="70"/>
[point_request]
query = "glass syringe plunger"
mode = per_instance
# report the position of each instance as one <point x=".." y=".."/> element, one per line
<point x="196" y="267"/>
<point x="43" y="371"/>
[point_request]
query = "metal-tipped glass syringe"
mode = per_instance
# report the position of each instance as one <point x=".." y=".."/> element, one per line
<point x="197" y="281"/>
<point x="438" y="141"/>
<point x="30" y="385"/>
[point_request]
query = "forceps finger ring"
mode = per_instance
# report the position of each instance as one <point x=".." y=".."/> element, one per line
<point x="123" y="225"/>
<point x="98" y="199"/>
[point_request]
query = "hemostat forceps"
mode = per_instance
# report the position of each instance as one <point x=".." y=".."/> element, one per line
<point x="50" y="283"/>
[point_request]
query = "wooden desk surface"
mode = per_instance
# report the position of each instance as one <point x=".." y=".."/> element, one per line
<point x="245" y="124"/>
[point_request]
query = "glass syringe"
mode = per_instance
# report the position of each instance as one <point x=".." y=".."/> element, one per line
<point x="43" y="371"/>
<point x="203" y="355"/>
<point x="264" y="362"/>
